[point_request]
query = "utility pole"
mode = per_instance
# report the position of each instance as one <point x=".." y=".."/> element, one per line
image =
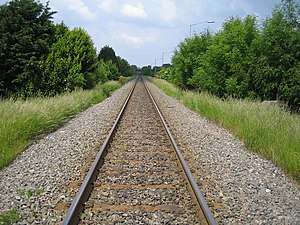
<point x="162" y="57"/>
<point x="155" y="65"/>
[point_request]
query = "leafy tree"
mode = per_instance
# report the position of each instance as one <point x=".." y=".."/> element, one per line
<point x="223" y="64"/>
<point x="102" y="71"/>
<point x="60" y="30"/>
<point x="146" y="70"/>
<point x="243" y="61"/>
<point x="71" y="63"/>
<point x="124" y="67"/>
<point x="26" y="34"/>
<point x="291" y="10"/>
<point x="186" y="58"/>
<point x="164" y="73"/>
<point x="118" y="66"/>
<point x="108" y="54"/>
<point x="114" y="73"/>
<point x="134" y="69"/>
<point x="277" y="52"/>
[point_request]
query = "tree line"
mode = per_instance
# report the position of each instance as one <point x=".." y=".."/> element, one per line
<point x="38" y="57"/>
<point x="245" y="59"/>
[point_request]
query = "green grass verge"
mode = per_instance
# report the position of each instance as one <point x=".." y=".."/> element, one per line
<point x="265" y="129"/>
<point x="22" y="121"/>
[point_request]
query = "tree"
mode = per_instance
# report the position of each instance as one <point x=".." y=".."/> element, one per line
<point x="107" y="53"/>
<point x="60" y="30"/>
<point x="277" y="58"/>
<point x="124" y="67"/>
<point x="114" y="73"/>
<point x="220" y="63"/>
<point x="291" y="11"/>
<point x="164" y="73"/>
<point x="71" y="63"/>
<point x="26" y="34"/>
<point x="186" y="58"/>
<point x="244" y="61"/>
<point x="146" y="70"/>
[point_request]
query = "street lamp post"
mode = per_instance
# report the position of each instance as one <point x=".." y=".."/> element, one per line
<point x="155" y="65"/>
<point x="197" y="24"/>
<point x="162" y="57"/>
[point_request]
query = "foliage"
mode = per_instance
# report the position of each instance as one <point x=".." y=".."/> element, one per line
<point x="116" y="65"/>
<point x="122" y="80"/>
<point x="71" y="63"/>
<point x="244" y="60"/>
<point x="186" y="59"/>
<point x="38" y="58"/>
<point x="113" y="70"/>
<point x="60" y="30"/>
<point x="277" y="66"/>
<point x="26" y="34"/>
<point x="164" y="73"/>
<point x="108" y="54"/>
<point x="124" y="67"/>
<point x="266" y="129"/>
<point x="146" y="71"/>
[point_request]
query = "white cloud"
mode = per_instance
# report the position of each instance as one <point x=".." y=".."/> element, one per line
<point x="134" y="11"/>
<point x="108" y="5"/>
<point x="79" y="7"/>
<point x="131" y="39"/>
<point x="168" y="11"/>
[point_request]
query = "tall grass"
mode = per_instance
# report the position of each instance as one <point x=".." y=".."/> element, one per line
<point x="22" y="121"/>
<point x="265" y="129"/>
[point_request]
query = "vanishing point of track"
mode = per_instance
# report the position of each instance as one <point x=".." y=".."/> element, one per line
<point x="139" y="175"/>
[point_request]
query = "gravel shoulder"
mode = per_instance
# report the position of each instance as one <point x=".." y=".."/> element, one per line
<point x="239" y="186"/>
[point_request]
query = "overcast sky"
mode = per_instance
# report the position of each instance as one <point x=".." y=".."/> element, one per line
<point x="141" y="30"/>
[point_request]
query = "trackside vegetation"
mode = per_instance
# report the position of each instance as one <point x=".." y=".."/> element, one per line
<point x="267" y="130"/>
<point x="40" y="58"/>
<point x="48" y="73"/>
<point x="22" y="121"/>
<point x="246" y="59"/>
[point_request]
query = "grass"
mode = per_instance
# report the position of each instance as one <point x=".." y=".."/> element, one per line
<point x="265" y="129"/>
<point x="23" y="121"/>
<point x="29" y="193"/>
<point x="9" y="217"/>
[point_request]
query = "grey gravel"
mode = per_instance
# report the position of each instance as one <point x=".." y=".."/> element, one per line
<point x="43" y="180"/>
<point x="239" y="186"/>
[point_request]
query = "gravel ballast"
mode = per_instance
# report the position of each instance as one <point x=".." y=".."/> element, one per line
<point x="239" y="186"/>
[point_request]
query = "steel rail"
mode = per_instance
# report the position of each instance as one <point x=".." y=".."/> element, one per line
<point x="84" y="192"/>
<point x="208" y="215"/>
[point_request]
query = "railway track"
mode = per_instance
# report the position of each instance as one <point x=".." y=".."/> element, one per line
<point x="139" y="175"/>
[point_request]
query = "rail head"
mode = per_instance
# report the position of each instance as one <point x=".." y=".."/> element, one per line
<point x="208" y="215"/>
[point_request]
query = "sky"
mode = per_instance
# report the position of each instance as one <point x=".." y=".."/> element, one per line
<point x="144" y="31"/>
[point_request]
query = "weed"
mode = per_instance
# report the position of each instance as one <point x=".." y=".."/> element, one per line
<point x="29" y="193"/>
<point x="9" y="217"/>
